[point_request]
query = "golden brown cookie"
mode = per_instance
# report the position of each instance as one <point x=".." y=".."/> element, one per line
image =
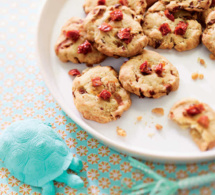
<point x="98" y="95"/>
<point x="72" y="44"/>
<point x="116" y="31"/>
<point x="199" y="118"/>
<point x="208" y="37"/>
<point x="189" y="5"/>
<point x="167" y="30"/>
<point x="138" y="6"/>
<point x="149" y="75"/>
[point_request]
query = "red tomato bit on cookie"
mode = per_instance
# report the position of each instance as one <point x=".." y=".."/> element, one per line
<point x="159" y="69"/>
<point x="204" y="121"/>
<point x="169" y="15"/>
<point x="116" y="15"/>
<point x="105" y="27"/>
<point x="125" y="35"/>
<point x="145" y="69"/>
<point x="85" y="48"/>
<point x="74" y="72"/>
<point x="105" y="94"/>
<point x="181" y="28"/>
<point x="123" y="2"/>
<point x="96" y="82"/>
<point x="164" y="29"/>
<point x="195" y="109"/>
<point x="101" y="2"/>
<point x="72" y="34"/>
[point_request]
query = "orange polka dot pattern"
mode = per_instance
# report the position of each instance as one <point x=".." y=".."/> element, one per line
<point x="23" y="95"/>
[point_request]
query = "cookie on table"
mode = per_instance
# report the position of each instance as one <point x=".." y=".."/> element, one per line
<point x="138" y="6"/>
<point x="189" y="5"/>
<point x="98" y="95"/>
<point x="167" y="30"/>
<point x="149" y="75"/>
<point x="72" y="44"/>
<point x="199" y="118"/>
<point x="116" y="31"/>
<point x="208" y="37"/>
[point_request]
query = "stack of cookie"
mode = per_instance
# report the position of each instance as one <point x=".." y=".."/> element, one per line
<point x="123" y="28"/>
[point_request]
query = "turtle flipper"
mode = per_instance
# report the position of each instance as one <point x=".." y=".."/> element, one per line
<point x="71" y="180"/>
<point x="76" y="165"/>
<point x="48" y="189"/>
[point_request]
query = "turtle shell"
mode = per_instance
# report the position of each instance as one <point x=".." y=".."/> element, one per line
<point x="33" y="152"/>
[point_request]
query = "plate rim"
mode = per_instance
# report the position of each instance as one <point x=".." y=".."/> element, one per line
<point x="143" y="154"/>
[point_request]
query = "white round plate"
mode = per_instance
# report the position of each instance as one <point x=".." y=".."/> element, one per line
<point x="172" y="144"/>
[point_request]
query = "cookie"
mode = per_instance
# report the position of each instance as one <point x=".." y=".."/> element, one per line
<point x="167" y="30"/>
<point x="199" y="118"/>
<point x="72" y="44"/>
<point x="98" y="95"/>
<point x="208" y="37"/>
<point x="149" y="75"/>
<point x="138" y="6"/>
<point x="116" y="31"/>
<point x="189" y="5"/>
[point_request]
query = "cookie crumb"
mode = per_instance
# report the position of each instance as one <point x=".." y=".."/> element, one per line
<point x="139" y="118"/>
<point x="202" y="62"/>
<point x="195" y="75"/>
<point x="212" y="56"/>
<point x="151" y="135"/>
<point x="201" y="76"/>
<point x="159" y="127"/>
<point x="159" y="111"/>
<point x="121" y="132"/>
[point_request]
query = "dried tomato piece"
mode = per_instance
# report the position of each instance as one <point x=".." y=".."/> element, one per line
<point x="101" y="2"/>
<point x="145" y="69"/>
<point x="195" y="109"/>
<point x="96" y="82"/>
<point x="169" y="15"/>
<point x="74" y="72"/>
<point x="204" y="121"/>
<point x="72" y="34"/>
<point x="159" y="69"/>
<point x="105" y="94"/>
<point x="116" y="15"/>
<point x="105" y="27"/>
<point x="123" y="2"/>
<point x="181" y="28"/>
<point x="125" y="35"/>
<point x="164" y="29"/>
<point x="85" y="48"/>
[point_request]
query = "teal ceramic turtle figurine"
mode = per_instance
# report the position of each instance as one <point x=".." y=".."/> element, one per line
<point x="36" y="155"/>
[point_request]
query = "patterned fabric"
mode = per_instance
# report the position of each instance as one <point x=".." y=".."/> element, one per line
<point x="23" y="94"/>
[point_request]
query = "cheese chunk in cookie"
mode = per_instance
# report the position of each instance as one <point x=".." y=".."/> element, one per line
<point x="116" y="31"/>
<point x="189" y="5"/>
<point x="98" y="95"/>
<point x="72" y="44"/>
<point x="149" y="75"/>
<point x="167" y="30"/>
<point x="138" y="6"/>
<point x="208" y="37"/>
<point x="199" y="118"/>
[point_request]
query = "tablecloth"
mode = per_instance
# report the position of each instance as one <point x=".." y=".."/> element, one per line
<point x="23" y="95"/>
